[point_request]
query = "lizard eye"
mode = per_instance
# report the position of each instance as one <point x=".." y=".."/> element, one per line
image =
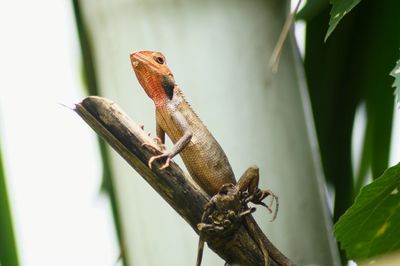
<point x="159" y="60"/>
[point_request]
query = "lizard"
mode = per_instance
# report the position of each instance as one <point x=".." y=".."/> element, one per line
<point x="202" y="155"/>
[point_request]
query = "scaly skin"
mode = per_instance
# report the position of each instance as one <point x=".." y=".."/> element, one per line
<point x="203" y="156"/>
<point x="201" y="153"/>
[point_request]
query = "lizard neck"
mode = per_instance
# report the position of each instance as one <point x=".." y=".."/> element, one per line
<point x="161" y="90"/>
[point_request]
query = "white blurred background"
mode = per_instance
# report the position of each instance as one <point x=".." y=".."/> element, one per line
<point x="59" y="217"/>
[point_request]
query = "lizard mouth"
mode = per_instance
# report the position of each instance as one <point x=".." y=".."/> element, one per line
<point x="135" y="63"/>
<point x="137" y="58"/>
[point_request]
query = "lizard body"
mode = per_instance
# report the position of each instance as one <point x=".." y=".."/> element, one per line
<point x="201" y="153"/>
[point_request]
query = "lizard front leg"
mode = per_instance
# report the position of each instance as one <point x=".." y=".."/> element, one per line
<point x="179" y="145"/>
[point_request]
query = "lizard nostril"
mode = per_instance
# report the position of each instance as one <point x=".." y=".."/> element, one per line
<point x="135" y="63"/>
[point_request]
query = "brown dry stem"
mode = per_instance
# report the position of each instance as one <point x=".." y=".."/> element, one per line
<point x="178" y="189"/>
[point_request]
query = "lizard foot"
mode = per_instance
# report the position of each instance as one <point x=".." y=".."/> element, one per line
<point x="151" y="145"/>
<point x="258" y="197"/>
<point x="160" y="147"/>
<point x="160" y="143"/>
<point x="166" y="155"/>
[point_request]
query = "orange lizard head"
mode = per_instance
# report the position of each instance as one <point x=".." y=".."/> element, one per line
<point x="154" y="75"/>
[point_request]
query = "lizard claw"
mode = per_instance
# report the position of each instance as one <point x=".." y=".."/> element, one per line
<point x="158" y="140"/>
<point x="151" y="145"/>
<point x="274" y="197"/>
<point x="166" y="164"/>
<point x="158" y="148"/>
<point x="164" y="155"/>
<point x="259" y="195"/>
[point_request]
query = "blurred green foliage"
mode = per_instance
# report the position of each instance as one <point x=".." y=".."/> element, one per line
<point x="91" y="86"/>
<point x="8" y="248"/>
<point x="350" y="69"/>
<point x="396" y="74"/>
<point x="339" y="9"/>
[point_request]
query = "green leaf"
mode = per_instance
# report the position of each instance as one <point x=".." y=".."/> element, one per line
<point x="396" y="84"/>
<point x="311" y="9"/>
<point x="8" y="246"/>
<point x="339" y="9"/>
<point x="371" y="226"/>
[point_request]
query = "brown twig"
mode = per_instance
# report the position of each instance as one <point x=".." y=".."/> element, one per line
<point x="178" y="189"/>
<point x="276" y="54"/>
